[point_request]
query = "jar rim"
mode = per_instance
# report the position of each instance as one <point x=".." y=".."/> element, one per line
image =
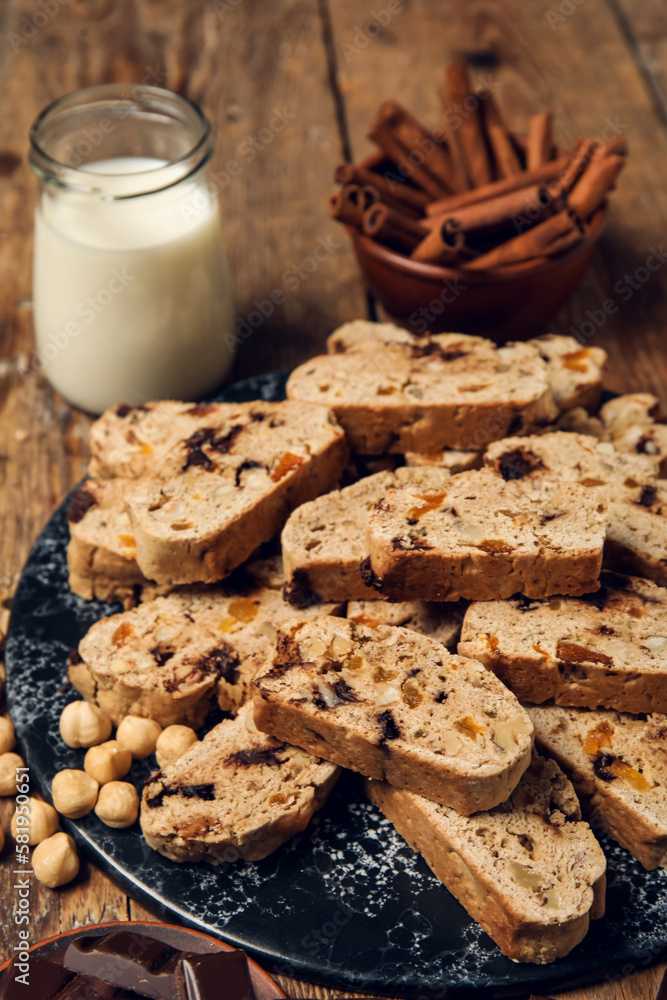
<point x="151" y="100"/>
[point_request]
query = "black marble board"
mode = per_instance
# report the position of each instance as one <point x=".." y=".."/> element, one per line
<point x="346" y="903"/>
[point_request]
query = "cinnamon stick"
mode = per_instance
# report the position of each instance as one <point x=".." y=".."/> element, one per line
<point x="458" y="174"/>
<point x="469" y="127"/>
<point x="526" y="204"/>
<point x="411" y="161"/>
<point x="533" y="243"/>
<point x="594" y="184"/>
<point x="439" y="247"/>
<point x="388" y="226"/>
<point x="418" y="140"/>
<point x="539" y="148"/>
<point x="579" y="159"/>
<point x="349" y="204"/>
<point x="396" y="191"/>
<point x="547" y="172"/>
<point x="505" y="155"/>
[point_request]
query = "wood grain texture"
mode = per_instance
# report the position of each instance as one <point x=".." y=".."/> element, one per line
<point x="329" y="66"/>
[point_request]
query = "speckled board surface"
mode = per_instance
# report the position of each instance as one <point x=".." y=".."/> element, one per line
<point x="347" y="902"/>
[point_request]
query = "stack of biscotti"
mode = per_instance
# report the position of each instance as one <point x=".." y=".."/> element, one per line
<point x="183" y="494"/>
<point x="170" y="659"/>
<point x="447" y="757"/>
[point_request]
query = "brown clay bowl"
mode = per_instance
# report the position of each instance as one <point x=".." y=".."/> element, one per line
<point x="505" y="303"/>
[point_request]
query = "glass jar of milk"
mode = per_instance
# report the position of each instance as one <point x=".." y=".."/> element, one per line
<point x="132" y="294"/>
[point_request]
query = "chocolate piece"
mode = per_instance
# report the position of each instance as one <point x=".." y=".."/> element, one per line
<point x="42" y="980"/>
<point x="222" y="974"/>
<point x="131" y="961"/>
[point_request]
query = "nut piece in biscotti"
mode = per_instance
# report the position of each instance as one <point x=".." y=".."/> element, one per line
<point x="441" y="620"/>
<point x="530" y="872"/>
<point x="101" y="555"/>
<point x="618" y="767"/>
<point x="482" y="538"/>
<point x="237" y="794"/>
<point x="171" y="659"/>
<point x="452" y="459"/>
<point x="129" y="441"/>
<point x="426" y="394"/>
<point x="575" y="372"/>
<point x="395" y="705"/>
<point x="224" y="490"/>
<point x="605" y="649"/>
<point x="324" y="541"/>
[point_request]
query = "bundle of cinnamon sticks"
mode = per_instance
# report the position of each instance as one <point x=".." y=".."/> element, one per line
<point x="472" y="194"/>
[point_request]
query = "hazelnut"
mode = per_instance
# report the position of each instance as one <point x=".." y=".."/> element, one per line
<point x="138" y="735"/>
<point x="107" y="762"/>
<point x="84" y="725"/>
<point x="173" y="742"/>
<point x="38" y="819"/>
<point x="55" y="860"/>
<point x="7" y="735"/>
<point x="74" y="793"/>
<point x="118" y="804"/>
<point x="8" y="764"/>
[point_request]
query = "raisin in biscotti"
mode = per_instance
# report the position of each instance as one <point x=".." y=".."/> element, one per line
<point x="440" y="620"/>
<point x="324" y="541"/>
<point x="225" y="489"/>
<point x="574" y="372"/>
<point x="482" y="538"/>
<point x="172" y="658"/>
<point x="237" y="794"/>
<point x="616" y="762"/>
<point x="530" y="871"/>
<point x="606" y="649"/>
<point x="101" y="555"/>
<point x="448" y="391"/>
<point x="395" y="705"/>
<point x="130" y="441"/>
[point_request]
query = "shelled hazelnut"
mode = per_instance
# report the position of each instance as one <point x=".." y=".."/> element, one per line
<point x="55" y="861"/>
<point x="138" y="735"/>
<point x="84" y="725"/>
<point x="173" y="742"/>
<point x="7" y="735"/>
<point x="107" y="762"/>
<point x="74" y="793"/>
<point x="118" y="804"/>
<point x="38" y="820"/>
<point x="8" y="764"/>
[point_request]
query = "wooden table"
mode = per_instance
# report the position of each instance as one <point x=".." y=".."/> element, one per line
<point x="318" y="70"/>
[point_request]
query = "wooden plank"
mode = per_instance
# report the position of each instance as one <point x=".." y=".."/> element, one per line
<point x="534" y="66"/>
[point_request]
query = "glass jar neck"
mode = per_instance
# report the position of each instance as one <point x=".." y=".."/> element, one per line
<point x="119" y="141"/>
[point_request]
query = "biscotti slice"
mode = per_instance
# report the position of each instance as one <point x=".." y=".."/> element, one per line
<point x="483" y="538"/>
<point x="607" y="648"/>
<point x="395" y="705"/>
<point x="237" y="794"/>
<point x="440" y="620"/>
<point x="618" y="766"/>
<point x="575" y="372"/>
<point x="172" y="658"/>
<point x="636" y="540"/>
<point x="452" y="459"/>
<point x="324" y="541"/>
<point x="226" y="489"/>
<point x="634" y="423"/>
<point x="447" y="391"/>
<point x="101" y="555"/>
<point x="130" y="441"/>
<point x="530" y="871"/>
